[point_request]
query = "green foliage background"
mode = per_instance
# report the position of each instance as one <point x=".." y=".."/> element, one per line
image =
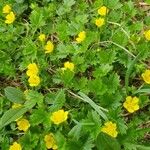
<point x="108" y="67"/>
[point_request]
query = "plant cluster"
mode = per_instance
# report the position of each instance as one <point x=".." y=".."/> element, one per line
<point x="74" y="75"/>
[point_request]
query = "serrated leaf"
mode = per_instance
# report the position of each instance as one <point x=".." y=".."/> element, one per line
<point x="58" y="102"/>
<point x="35" y="97"/>
<point x="105" y="142"/>
<point x="14" y="95"/>
<point x="36" y="19"/>
<point x="75" y="132"/>
<point x="113" y="83"/>
<point x="37" y="116"/>
<point x="111" y="3"/>
<point x="61" y="141"/>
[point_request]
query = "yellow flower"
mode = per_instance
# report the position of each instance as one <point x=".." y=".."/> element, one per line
<point x="10" y="18"/>
<point x="81" y="37"/>
<point x="147" y="35"/>
<point x="103" y="10"/>
<point x="100" y="22"/>
<point x="32" y="69"/>
<point x="42" y="37"/>
<point x="49" y="47"/>
<point x="23" y="124"/>
<point x="16" y="105"/>
<point x="146" y="76"/>
<point x="50" y="141"/>
<point x="68" y="65"/>
<point x="15" y="146"/>
<point x="59" y="116"/>
<point x="110" y="129"/>
<point x="6" y="9"/>
<point x="131" y="104"/>
<point x="34" y="80"/>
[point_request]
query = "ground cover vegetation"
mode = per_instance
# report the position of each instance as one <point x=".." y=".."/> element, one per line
<point x="74" y="74"/>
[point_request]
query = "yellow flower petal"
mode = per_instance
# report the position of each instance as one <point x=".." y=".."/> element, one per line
<point x="147" y="35"/>
<point x="50" y="141"/>
<point x="59" y="116"/>
<point x="49" y="47"/>
<point x="10" y="18"/>
<point x="81" y="37"/>
<point x="69" y="65"/>
<point x="103" y="10"/>
<point x="131" y="104"/>
<point x="34" y="80"/>
<point x="32" y="69"/>
<point x="110" y="129"/>
<point x="15" y="146"/>
<point x="146" y="76"/>
<point x="42" y="37"/>
<point x="16" y="105"/>
<point x="100" y="22"/>
<point x="23" y="124"/>
<point x="6" y="9"/>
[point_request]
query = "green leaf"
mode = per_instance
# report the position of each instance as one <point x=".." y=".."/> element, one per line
<point x="97" y="86"/>
<point x="111" y="3"/>
<point x="35" y="97"/>
<point x="102" y="70"/>
<point x="61" y="141"/>
<point x="58" y="102"/>
<point x="112" y="83"/>
<point x="143" y="90"/>
<point x="75" y="132"/>
<point x="120" y="38"/>
<point x="88" y="145"/>
<point x="30" y="48"/>
<point x="12" y="115"/>
<point x="36" y="19"/>
<point x="105" y="142"/>
<point x="134" y="146"/>
<point x="92" y="123"/>
<point x="129" y="70"/>
<point x="148" y="1"/>
<point x="14" y="95"/>
<point x="97" y="108"/>
<point x="66" y="7"/>
<point x="67" y="77"/>
<point x="37" y="116"/>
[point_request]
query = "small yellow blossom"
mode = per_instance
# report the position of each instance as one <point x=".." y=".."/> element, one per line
<point x="10" y="18"/>
<point x="81" y="37"/>
<point x="49" y="47"/>
<point x="131" y="104"/>
<point x="42" y="37"/>
<point x="68" y="65"/>
<point x="100" y="22"/>
<point x="16" y="105"/>
<point x="34" y="80"/>
<point x="147" y="35"/>
<point x="103" y="10"/>
<point x="32" y="69"/>
<point x="15" y="146"/>
<point x="23" y="124"/>
<point x="50" y="142"/>
<point x="146" y="76"/>
<point x="59" y="116"/>
<point x="6" y="9"/>
<point x="110" y="129"/>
